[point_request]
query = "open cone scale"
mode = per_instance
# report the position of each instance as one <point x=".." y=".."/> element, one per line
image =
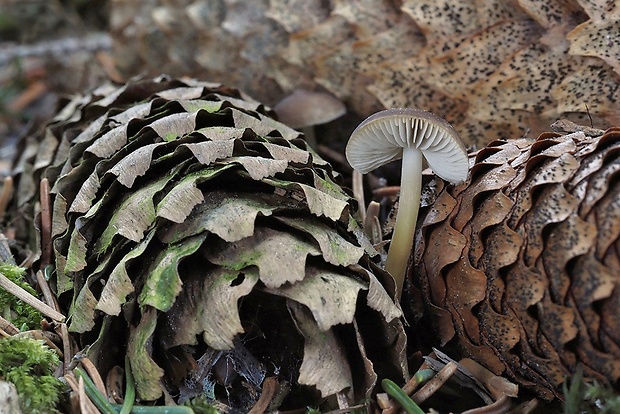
<point x="196" y="234"/>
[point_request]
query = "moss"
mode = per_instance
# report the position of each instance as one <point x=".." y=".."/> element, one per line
<point x="581" y="397"/>
<point x="29" y="365"/>
<point x="14" y="310"/>
<point x="604" y="400"/>
<point x="201" y="405"/>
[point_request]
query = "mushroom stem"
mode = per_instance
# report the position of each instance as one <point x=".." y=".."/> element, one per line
<point x="406" y="218"/>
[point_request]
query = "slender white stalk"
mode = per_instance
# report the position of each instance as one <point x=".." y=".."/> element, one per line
<point x="406" y="218"/>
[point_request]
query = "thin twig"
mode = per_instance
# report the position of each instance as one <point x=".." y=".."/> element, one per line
<point x="108" y="64"/>
<point x="434" y="384"/>
<point x="66" y="346"/>
<point x="86" y="405"/>
<point x="57" y="47"/>
<point x="527" y="407"/>
<point x="29" y="260"/>
<point x="34" y="91"/>
<point x="388" y="191"/>
<point x="500" y="406"/>
<point x="398" y="394"/>
<point x="23" y="295"/>
<point x="93" y="373"/>
<point x="418" y="379"/>
<point x="71" y="381"/>
<point x="6" y="194"/>
<point x="46" y="223"/>
<point x="269" y="389"/>
<point x="343" y="401"/>
<point x="347" y="410"/>
<point x="48" y="295"/>
<point x="8" y="326"/>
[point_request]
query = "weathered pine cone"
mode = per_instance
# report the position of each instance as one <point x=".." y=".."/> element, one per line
<point x="493" y="69"/>
<point x="209" y="243"/>
<point x="520" y="265"/>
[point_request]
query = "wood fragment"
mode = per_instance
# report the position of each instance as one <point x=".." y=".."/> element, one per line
<point x="23" y="295"/>
<point x="86" y="405"/>
<point x="93" y="373"/>
<point x="46" y="223"/>
<point x="6" y="194"/>
<point x="270" y="385"/>
<point x="108" y="64"/>
<point x="8" y="327"/>
<point x="434" y="384"/>
<point x="388" y="191"/>
<point x="33" y="92"/>
<point x="66" y="345"/>
<point x="416" y="380"/>
<point x="497" y="386"/>
<point x="500" y="406"/>
<point x="383" y="401"/>
<point x="71" y="381"/>
<point x="48" y="295"/>
<point x="343" y="400"/>
<point x="526" y="407"/>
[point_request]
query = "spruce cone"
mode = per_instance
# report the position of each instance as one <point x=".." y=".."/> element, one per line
<point x="210" y="244"/>
<point x="493" y="69"/>
<point x="520" y="265"/>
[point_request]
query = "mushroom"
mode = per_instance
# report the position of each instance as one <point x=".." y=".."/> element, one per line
<point x="410" y="134"/>
<point x="303" y="109"/>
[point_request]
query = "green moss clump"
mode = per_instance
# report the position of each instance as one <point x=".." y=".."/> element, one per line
<point x="12" y="309"/>
<point x="200" y="405"/>
<point x="605" y="399"/>
<point x="584" y="398"/>
<point x="29" y="365"/>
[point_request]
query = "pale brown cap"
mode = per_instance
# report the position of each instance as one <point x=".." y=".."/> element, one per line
<point x="305" y="108"/>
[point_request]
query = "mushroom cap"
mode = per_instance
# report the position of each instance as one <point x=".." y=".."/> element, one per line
<point x="304" y="108"/>
<point x="381" y="137"/>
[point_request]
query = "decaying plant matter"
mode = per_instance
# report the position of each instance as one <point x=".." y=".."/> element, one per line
<point x="494" y="68"/>
<point x="520" y="265"/>
<point x="211" y="245"/>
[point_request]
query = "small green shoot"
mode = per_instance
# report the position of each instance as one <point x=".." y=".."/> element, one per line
<point x="130" y="390"/>
<point x="106" y="408"/>
<point x="201" y="405"/>
<point x="399" y="395"/>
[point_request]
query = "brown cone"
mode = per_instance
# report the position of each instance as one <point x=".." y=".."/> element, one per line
<point x="520" y="265"/>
